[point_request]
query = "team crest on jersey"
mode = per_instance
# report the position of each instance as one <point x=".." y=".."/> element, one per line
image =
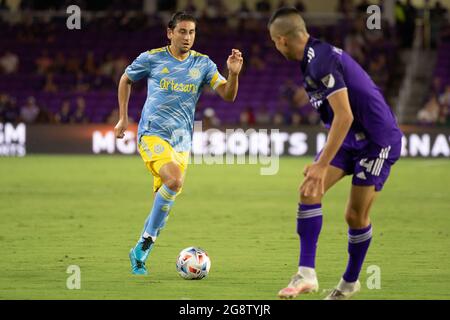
<point x="158" y="148"/>
<point x="328" y="81"/>
<point x="194" y="73"/>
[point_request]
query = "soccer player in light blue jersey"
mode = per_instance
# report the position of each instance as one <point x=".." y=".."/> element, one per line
<point x="176" y="76"/>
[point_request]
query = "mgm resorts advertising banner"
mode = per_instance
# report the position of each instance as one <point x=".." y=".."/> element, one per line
<point x="21" y="140"/>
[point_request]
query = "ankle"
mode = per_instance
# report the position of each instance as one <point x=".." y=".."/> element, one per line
<point x="307" y="272"/>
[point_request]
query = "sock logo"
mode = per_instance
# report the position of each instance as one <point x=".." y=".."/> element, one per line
<point x="165" y="208"/>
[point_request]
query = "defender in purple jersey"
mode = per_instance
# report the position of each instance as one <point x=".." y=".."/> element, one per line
<point x="364" y="140"/>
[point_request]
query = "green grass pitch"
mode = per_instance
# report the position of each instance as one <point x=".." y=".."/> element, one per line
<point x="57" y="211"/>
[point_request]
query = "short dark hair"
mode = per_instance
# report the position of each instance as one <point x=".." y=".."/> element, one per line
<point x="283" y="12"/>
<point x="181" y="16"/>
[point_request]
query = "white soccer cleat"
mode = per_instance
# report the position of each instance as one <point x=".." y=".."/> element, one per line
<point x="344" y="290"/>
<point x="299" y="285"/>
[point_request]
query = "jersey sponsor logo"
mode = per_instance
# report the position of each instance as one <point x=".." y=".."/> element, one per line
<point x="194" y="73"/>
<point x="316" y="102"/>
<point x="328" y="81"/>
<point x="311" y="54"/>
<point x="171" y="85"/>
<point x="165" y="70"/>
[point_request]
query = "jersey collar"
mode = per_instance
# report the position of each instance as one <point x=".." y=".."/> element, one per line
<point x="308" y="45"/>
<point x="170" y="54"/>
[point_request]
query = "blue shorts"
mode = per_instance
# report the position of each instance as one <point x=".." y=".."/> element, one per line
<point x="369" y="163"/>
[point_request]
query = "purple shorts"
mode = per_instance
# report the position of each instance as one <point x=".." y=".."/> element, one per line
<point x="369" y="163"/>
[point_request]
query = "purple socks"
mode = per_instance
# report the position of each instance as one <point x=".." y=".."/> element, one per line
<point x="358" y="244"/>
<point x="309" y="224"/>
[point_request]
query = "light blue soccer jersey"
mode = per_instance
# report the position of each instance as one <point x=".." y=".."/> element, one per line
<point x="174" y="88"/>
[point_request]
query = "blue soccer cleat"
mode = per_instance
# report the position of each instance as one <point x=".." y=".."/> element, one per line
<point x="138" y="255"/>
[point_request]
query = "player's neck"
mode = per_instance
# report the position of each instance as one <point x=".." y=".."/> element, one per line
<point x="304" y="38"/>
<point x="178" y="54"/>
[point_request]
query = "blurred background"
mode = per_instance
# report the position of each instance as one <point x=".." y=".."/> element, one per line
<point x="55" y="76"/>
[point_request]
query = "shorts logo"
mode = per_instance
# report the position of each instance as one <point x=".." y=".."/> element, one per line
<point x="384" y="154"/>
<point x="328" y="81"/>
<point x="158" y="148"/>
<point x="146" y="149"/>
<point x="194" y="73"/>
<point x="361" y="175"/>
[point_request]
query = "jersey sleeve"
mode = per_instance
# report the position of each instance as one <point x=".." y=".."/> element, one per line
<point x="213" y="78"/>
<point x="139" y="68"/>
<point x="328" y="73"/>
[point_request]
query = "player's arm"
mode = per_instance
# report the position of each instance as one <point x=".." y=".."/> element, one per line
<point x="342" y="121"/>
<point x="124" y="91"/>
<point x="228" y="90"/>
<point x="313" y="184"/>
<point x="139" y="69"/>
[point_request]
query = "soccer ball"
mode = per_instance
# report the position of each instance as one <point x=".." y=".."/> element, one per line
<point x="193" y="263"/>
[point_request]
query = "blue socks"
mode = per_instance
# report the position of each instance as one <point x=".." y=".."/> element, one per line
<point x="309" y="224"/>
<point x="162" y="204"/>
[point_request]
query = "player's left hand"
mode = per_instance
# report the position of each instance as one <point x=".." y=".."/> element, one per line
<point x="235" y="61"/>
<point x="314" y="185"/>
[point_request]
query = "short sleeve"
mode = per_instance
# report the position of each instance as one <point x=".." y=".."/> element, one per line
<point x="212" y="76"/>
<point x="328" y="73"/>
<point x="140" y="67"/>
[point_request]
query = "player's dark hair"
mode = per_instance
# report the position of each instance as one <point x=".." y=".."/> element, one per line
<point x="289" y="26"/>
<point x="181" y="16"/>
<point x="283" y="12"/>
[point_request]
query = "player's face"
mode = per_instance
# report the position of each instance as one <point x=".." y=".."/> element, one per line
<point x="182" y="36"/>
<point x="282" y="45"/>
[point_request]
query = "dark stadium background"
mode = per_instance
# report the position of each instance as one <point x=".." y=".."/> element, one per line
<point x="54" y="77"/>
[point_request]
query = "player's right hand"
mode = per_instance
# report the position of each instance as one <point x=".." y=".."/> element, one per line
<point x="120" y="128"/>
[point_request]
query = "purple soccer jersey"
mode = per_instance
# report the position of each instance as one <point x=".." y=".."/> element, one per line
<point x="326" y="70"/>
<point x="373" y="142"/>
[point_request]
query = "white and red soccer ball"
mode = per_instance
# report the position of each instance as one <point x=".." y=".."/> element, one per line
<point x="193" y="263"/>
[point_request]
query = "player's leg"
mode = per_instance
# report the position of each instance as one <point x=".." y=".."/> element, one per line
<point x="371" y="173"/>
<point x="359" y="238"/>
<point x="159" y="157"/>
<point x="171" y="176"/>
<point x="309" y="225"/>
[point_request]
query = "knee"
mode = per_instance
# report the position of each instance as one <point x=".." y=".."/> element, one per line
<point x="174" y="184"/>
<point x="309" y="199"/>
<point x="355" y="218"/>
